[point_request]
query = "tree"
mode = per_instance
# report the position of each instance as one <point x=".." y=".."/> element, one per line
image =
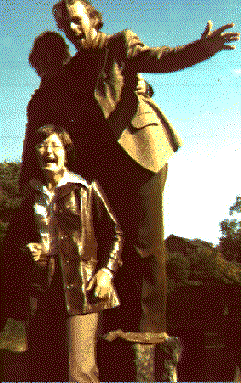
<point x="230" y="271"/>
<point x="9" y="194"/>
<point x="230" y="241"/>
<point x="178" y="267"/>
<point x="198" y="262"/>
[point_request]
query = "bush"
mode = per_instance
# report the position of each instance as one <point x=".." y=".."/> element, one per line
<point x="9" y="193"/>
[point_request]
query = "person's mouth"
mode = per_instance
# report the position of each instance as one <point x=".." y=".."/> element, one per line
<point x="79" y="35"/>
<point x="49" y="161"/>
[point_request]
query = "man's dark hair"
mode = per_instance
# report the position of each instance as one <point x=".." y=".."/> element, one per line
<point x="61" y="14"/>
<point x="45" y="44"/>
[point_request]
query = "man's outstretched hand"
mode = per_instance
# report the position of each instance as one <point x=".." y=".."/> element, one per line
<point x="216" y="40"/>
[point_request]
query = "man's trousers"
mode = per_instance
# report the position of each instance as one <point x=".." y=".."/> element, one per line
<point x="135" y="195"/>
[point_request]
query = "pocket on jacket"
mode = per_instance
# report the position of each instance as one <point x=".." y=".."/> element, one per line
<point x="145" y="116"/>
<point x="145" y="119"/>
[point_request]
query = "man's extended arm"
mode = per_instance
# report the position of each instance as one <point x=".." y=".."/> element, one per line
<point x="142" y="58"/>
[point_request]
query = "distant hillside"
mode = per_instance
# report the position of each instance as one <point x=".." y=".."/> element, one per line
<point x="197" y="261"/>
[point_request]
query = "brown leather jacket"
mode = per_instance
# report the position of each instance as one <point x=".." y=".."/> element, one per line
<point x="88" y="239"/>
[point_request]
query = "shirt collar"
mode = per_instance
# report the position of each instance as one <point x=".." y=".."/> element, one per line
<point x="97" y="43"/>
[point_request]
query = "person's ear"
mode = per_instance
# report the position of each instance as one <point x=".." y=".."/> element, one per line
<point x="95" y="22"/>
<point x="65" y="160"/>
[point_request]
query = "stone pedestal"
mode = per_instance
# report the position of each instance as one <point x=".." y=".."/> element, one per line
<point x="124" y="361"/>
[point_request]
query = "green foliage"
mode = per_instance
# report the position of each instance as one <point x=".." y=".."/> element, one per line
<point x="236" y="208"/>
<point x="230" y="242"/>
<point x="201" y="263"/>
<point x="9" y="194"/>
<point x="231" y="271"/>
<point x="204" y="266"/>
<point x="178" y="267"/>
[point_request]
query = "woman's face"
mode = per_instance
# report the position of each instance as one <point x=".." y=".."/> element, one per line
<point x="51" y="154"/>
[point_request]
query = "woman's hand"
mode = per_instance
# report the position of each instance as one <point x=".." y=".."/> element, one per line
<point x="39" y="256"/>
<point x="102" y="280"/>
<point x="216" y="40"/>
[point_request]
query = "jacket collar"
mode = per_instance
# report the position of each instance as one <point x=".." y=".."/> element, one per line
<point x="98" y="43"/>
<point x="100" y="40"/>
<point x="69" y="182"/>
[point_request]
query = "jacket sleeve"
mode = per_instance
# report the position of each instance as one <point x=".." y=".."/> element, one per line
<point x="108" y="233"/>
<point x="142" y="58"/>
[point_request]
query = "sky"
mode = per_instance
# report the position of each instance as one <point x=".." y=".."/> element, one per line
<point x="201" y="102"/>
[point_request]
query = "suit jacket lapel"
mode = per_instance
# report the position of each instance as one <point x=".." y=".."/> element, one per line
<point x="110" y="81"/>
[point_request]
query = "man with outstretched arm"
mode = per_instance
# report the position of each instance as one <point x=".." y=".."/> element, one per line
<point x="107" y="115"/>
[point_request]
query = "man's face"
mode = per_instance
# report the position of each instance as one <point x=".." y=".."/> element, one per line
<point x="51" y="154"/>
<point x="80" y="29"/>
